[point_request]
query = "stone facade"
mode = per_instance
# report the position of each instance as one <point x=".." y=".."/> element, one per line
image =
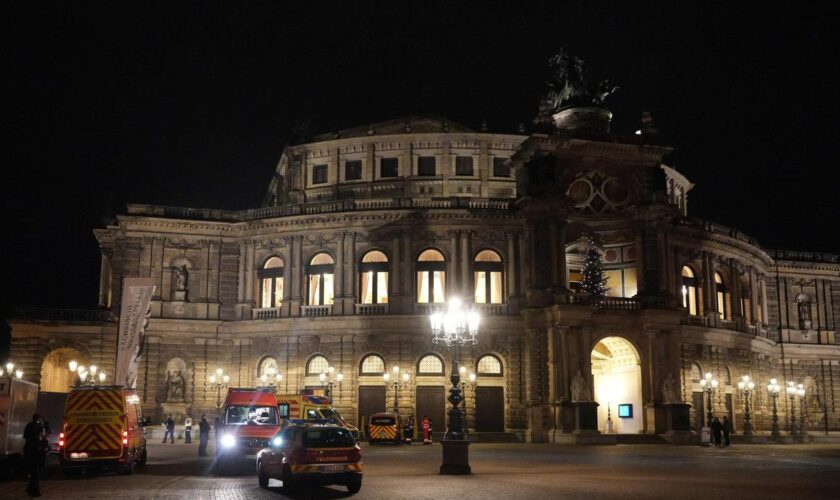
<point x="406" y="186"/>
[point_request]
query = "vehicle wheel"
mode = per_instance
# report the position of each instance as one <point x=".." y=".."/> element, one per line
<point x="143" y="457"/>
<point x="354" y="486"/>
<point x="129" y="466"/>
<point x="288" y="482"/>
<point x="262" y="476"/>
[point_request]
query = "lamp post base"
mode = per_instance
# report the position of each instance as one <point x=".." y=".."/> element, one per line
<point x="456" y="457"/>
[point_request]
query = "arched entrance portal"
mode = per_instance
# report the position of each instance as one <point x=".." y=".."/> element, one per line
<point x="55" y="374"/>
<point x="617" y="380"/>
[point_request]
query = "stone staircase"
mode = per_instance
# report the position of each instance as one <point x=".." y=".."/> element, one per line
<point x="640" y="439"/>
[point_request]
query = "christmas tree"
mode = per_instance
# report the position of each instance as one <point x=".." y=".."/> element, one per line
<point x="593" y="272"/>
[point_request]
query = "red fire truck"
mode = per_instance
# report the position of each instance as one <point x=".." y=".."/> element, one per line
<point x="248" y="421"/>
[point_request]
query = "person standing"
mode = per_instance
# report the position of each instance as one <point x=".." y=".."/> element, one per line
<point x="427" y="430"/>
<point x="726" y="427"/>
<point x="170" y="430"/>
<point x="408" y="430"/>
<point x="203" y="435"/>
<point x="33" y="453"/>
<point x="188" y="430"/>
<point x="717" y="427"/>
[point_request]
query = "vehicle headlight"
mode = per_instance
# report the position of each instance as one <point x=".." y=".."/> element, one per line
<point x="278" y="441"/>
<point x="228" y="441"/>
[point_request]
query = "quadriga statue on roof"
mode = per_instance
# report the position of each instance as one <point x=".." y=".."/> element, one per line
<point x="568" y="85"/>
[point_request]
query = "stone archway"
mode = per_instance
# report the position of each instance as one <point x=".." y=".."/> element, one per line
<point x="617" y="380"/>
<point x="55" y="372"/>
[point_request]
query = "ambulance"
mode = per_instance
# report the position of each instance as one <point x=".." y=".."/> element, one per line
<point x="102" y="430"/>
<point x="247" y="423"/>
<point x="310" y="408"/>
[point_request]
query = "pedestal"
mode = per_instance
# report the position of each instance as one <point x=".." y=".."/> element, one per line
<point x="178" y="410"/>
<point x="180" y="296"/>
<point x="673" y="422"/>
<point x="586" y="417"/>
<point x="456" y="457"/>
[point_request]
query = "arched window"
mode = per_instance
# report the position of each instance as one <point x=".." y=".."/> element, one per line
<point x="267" y="366"/>
<point x="431" y="277"/>
<point x="373" y="278"/>
<point x="696" y="373"/>
<point x="489" y="365"/>
<point x="317" y="365"/>
<point x="320" y="275"/>
<point x="430" y="364"/>
<point x="722" y="295"/>
<point x="372" y="364"/>
<point x="690" y="294"/>
<point x="488" y="278"/>
<point x="271" y="282"/>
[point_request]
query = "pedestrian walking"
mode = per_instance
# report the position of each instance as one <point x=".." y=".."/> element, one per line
<point x="427" y="430"/>
<point x="34" y="454"/>
<point x="203" y="435"/>
<point x="170" y="430"/>
<point x="717" y="428"/>
<point x="188" y="430"/>
<point x="726" y="427"/>
<point x="408" y="430"/>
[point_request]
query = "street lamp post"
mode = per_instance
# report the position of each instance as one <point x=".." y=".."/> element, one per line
<point x="329" y="378"/>
<point x="774" y="389"/>
<point x="453" y="327"/>
<point x="791" y="392"/>
<point x="746" y="386"/>
<point x="400" y="382"/>
<point x="87" y="375"/>
<point x="709" y="385"/>
<point x="803" y="427"/>
<point x="270" y="379"/>
<point x="464" y="385"/>
<point x="11" y="371"/>
<point x="219" y="381"/>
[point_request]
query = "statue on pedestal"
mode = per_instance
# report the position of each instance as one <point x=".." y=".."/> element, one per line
<point x="175" y="385"/>
<point x="669" y="390"/>
<point x="181" y="277"/>
<point x="580" y="389"/>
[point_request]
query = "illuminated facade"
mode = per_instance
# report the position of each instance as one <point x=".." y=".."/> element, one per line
<point x="364" y="231"/>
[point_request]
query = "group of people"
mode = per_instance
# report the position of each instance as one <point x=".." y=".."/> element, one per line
<point x="203" y="432"/>
<point x="721" y="428"/>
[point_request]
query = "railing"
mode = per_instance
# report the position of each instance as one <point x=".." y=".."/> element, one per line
<point x="698" y="320"/>
<point x="46" y="314"/>
<point x="316" y="311"/>
<point x="606" y="303"/>
<point x="266" y="313"/>
<point x="371" y="309"/>
<point x="727" y="324"/>
<point x="805" y="256"/>
<point x="427" y="308"/>
<point x="492" y="309"/>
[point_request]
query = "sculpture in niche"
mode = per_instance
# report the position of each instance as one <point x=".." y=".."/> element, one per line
<point x="580" y="389"/>
<point x="804" y="308"/>
<point x="669" y="390"/>
<point x="175" y="385"/>
<point x="181" y="277"/>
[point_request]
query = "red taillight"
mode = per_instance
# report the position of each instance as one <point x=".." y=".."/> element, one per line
<point x="61" y="440"/>
<point x="125" y="437"/>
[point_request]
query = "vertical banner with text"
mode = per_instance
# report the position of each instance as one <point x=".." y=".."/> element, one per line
<point x="136" y="299"/>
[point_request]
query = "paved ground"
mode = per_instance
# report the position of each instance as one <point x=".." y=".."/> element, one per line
<point x="500" y="471"/>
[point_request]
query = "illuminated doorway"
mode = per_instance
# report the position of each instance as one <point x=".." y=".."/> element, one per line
<point x="617" y="380"/>
<point x="55" y="374"/>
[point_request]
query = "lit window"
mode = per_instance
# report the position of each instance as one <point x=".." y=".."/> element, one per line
<point x="320" y="276"/>
<point x="271" y="282"/>
<point x="488" y="278"/>
<point x="621" y="282"/>
<point x="317" y="365"/>
<point x="373" y="365"/>
<point x="690" y="294"/>
<point x="489" y="365"/>
<point x="373" y="280"/>
<point x="431" y="277"/>
<point x="430" y="365"/>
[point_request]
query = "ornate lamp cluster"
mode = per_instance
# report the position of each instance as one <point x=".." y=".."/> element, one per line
<point x="747" y="386"/>
<point x="271" y="378"/>
<point x="709" y="385"/>
<point x="773" y="389"/>
<point x="10" y="370"/>
<point x="87" y="375"/>
<point x="455" y="325"/>
<point x="400" y="382"/>
<point x="218" y="380"/>
<point x="795" y="390"/>
<point x="329" y="378"/>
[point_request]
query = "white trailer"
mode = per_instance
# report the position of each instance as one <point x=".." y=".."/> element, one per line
<point x="18" y="399"/>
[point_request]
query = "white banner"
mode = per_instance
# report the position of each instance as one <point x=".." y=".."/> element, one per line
<point x="136" y="299"/>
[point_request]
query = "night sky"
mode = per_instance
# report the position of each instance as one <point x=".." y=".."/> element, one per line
<point x="191" y="104"/>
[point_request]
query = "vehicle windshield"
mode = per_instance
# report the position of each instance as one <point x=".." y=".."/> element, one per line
<point x="328" y="413"/>
<point x="327" y="438"/>
<point x="251" y="415"/>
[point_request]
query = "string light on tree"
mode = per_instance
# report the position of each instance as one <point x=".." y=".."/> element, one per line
<point x="593" y="279"/>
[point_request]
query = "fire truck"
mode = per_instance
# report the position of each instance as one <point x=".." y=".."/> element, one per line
<point x="247" y="423"/>
<point x="311" y="408"/>
<point x="102" y="430"/>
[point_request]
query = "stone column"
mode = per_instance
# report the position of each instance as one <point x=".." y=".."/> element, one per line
<point x="350" y="273"/>
<point x="104" y="271"/>
<point x="394" y="277"/>
<point x="452" y="287"/>
<point x="510" y="267"/>
<point x="709" y="302"/>
<point x="764" y="318"/>
<point x="735" y="290"/>
<point x="339" y="275"/>
<point x="408" y="283"/>
<point x="562" y="280"/>
<point x="524" y="264"/>
<point x="297" y="276"/>
<point x="464" y="265"/>
<point x="651" y="385"/>
<point x="753" y="296"/>
<point x="641" y="283"/>
<point x="249" y="273"/>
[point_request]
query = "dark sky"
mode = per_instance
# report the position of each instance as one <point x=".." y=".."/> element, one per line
<point x="191" y="104"/>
